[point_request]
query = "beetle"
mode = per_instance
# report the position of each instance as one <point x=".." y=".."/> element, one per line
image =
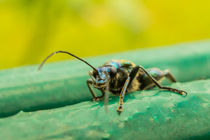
<point x="121" y="77"/>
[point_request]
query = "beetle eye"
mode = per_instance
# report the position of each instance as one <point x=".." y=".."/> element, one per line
<point x="94" y="74"/>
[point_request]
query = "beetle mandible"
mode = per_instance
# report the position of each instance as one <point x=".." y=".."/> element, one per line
<point x="122" y="76"/>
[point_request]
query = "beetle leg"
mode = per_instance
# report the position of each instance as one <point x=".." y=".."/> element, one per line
<point x="122" y="94"/>
<point x="169" y="76"/>
<point x="123" y="91"/>
<point x="98" y="98"/>
<point x="162" y="87"/>
<point x="95" y="98"/>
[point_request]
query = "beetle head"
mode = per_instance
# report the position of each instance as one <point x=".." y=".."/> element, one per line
<point x="100" y="77"/>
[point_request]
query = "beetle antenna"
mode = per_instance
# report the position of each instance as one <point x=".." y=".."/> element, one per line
<point x="68" y="54"/>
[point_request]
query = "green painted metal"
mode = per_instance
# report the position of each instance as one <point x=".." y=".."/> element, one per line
<point x="64" y="83"/>
<point x="150" y="114"/>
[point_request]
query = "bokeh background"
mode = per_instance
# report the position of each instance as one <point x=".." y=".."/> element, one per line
<point x="31" y="29"/>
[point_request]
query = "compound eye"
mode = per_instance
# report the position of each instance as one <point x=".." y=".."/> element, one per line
<point x="94" y="74"/>
<point x="113" y="71"/>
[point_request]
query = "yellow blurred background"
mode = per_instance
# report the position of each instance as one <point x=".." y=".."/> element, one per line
<point x="31" y="29"/>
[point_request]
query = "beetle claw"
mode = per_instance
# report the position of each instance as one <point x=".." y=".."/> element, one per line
<point x="119" y="110"/>
<point x="96" y="99"/>
<point x="182" y="92"/>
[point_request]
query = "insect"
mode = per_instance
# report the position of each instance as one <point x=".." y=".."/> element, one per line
<point x="121" y="77"/>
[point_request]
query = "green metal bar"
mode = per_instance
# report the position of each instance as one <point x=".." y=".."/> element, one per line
<point x="150" y="114"/>
<point x="64" y="83"/>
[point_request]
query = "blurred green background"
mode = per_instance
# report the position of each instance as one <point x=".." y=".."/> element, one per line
<point x="31" y="29"/>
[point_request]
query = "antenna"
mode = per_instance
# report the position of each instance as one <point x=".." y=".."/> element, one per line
<point x="68" y="54"/>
